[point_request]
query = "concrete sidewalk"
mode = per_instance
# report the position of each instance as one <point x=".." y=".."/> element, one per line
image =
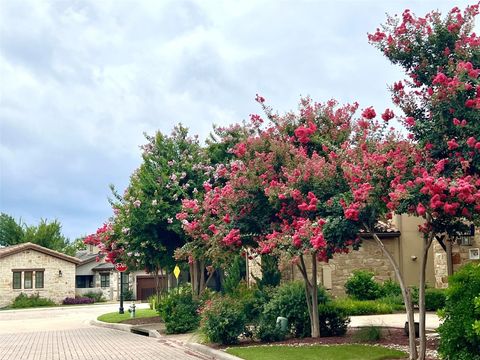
<point x="393" y="320"/>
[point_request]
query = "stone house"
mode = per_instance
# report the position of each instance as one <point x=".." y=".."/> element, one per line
<point x="93" y="274"/>
<point x="402" y="240"/>
<point x="29" y="268"/>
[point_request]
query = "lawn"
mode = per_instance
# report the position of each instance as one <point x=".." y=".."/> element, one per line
<point x="115" y="317"/>
<point x="332" y="352"/>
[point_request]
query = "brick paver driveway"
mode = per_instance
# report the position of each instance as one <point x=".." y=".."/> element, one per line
<point x="30" y="335"/>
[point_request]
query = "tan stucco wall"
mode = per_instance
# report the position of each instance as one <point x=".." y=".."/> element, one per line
<point x="55" y="287"/>
<point x="411" y="249"/>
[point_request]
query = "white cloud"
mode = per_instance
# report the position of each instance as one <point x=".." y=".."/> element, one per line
<point x="82" y="80"/>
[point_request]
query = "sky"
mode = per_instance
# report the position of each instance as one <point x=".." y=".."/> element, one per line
<point x="82" y="81"/>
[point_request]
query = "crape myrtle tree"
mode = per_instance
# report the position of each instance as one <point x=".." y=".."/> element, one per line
<point x="441" y="101"/>
<point x="283" y="194"/>
<point x="143" y="231"/>
<point x="200" y="215"/>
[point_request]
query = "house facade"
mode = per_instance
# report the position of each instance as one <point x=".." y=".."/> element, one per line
<point x="403" y="240"/>
<point x="30" y="269"/>
<point x="93" y="274"/>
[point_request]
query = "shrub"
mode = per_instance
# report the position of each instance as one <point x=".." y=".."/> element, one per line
<point x="223" y="321"/>
<point x="362" y="286"/>
<point x="354" y="307"/>
<point x="178" y="310"/>
<point x="289" y="301"/>
<point x="128" y="295"/>
<point x="391" y="289"/>
<point x="458" y="339"/>
<point x="269" y="332"/>
<point x="153" y="301"/>
<point x="77" y="300"/>
<point x="34" y="300"/>
<point x="97" y="296"/>
<point x="434" y="299"/>
<point x="368" y="334"/>
<point x="333" y="320"/>
<point x="235" y="274"/>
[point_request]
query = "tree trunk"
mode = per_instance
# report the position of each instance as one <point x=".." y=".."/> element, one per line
<point x="448" y="245"/>
<point x="314" y="295"/>
<point x="192" y="277"/>
<point x="427" y="242"/>
<point x="311" y="294"/>
<point x="201" y="286"/>
<point x="407" y="299"/>
<point x="157" y="282"/>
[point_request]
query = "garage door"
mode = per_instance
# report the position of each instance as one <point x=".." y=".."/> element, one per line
<point x="146" y="286"/>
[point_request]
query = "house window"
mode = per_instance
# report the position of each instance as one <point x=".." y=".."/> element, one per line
<point x="84" y="281"/>
<point x="27" y="279"/>
<point x="38" y="279"/>
<point x="17" y="279"/>
<point x="104" y="280"/>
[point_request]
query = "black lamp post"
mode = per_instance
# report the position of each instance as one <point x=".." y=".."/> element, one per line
<point x="120" y="310"/>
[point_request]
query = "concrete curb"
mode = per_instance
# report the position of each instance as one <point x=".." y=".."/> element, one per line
<point x="212" y="353"/>
<point x="203" y="349"/>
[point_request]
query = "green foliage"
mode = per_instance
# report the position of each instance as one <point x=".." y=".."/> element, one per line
<point x="368" y="334"/>
<point x="362" y="286"/>
<point x="270" y="274"/>
<point x="354" y="307"/>
<point x="435" y="299"/>
<point x="458" y="339"/>
<point x="128" y="295"/>
<point x="34" y="300"/>
<point x="333" y="320"/>
<point x="46" y="234"/>
<point x="153" y="301"/>
<point x="391" y="288"/>
<point x="476" y="324"/>
<point x="115" y="317"/>
<point x="269" y="332"/>
<point x="11" y="232"/>
<point x="289" y="301"/>
<point x="223" y="321"/>
<point x="236" y="273"/>
<point x="178" y="310"/>
<point x="97" y="296"/>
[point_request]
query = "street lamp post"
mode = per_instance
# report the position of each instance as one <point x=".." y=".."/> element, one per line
<point x="121" y="268"/>
<point x="120" y="310"/>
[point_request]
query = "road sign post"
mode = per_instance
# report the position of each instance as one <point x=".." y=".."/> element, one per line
<point x="121" y="268"/>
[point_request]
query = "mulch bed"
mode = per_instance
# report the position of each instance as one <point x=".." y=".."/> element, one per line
<point x="142" y="321"/>
<point x="392" y="337"/>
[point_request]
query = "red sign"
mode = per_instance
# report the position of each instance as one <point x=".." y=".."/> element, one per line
<point x="121" y="267"/>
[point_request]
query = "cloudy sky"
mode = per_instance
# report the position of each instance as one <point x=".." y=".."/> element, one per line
<point x="80" y="81"/>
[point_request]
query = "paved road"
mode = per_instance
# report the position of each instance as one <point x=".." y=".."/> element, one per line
<point x="66" y="334"/>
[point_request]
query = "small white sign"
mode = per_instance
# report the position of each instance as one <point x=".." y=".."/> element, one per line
<point x="474" y="254"/>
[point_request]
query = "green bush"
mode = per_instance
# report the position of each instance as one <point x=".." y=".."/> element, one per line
<point x="458" y="339"/>
<point x="178" y="310"/>
<point x="97" y="296"/>
<point x="362" y="286"/>
<point x="333" y="320"/>
<point x="269" y="332"/>
<point x="153" y="301"/>
<point x="435" y="299"/>
<point x="34" y="300"/>
<point x="391" y="289"/>
<point x="128" y="295"/>
<point x="368" y="334"/>
<point x="223" y="320"/>
<point x="352" y="307"/>
<point x="236" y="273"/>
<point x="289" y="301"/>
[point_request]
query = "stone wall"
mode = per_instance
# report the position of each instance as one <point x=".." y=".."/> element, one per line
<point x="55" y="287"/>
<point x="460" y="257"/>
<point x="334" y="274"/>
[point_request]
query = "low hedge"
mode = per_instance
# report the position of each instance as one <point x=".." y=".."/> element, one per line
<point x="34" y="300"/>
<point x="77" y="301"/>
<point x="352" y="307"/>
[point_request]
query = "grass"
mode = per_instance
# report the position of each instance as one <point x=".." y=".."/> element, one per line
<point x="333" y="352"/>
<point x="115" y="317"/>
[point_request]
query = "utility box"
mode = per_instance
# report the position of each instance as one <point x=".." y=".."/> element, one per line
<point x="282" y="323"/>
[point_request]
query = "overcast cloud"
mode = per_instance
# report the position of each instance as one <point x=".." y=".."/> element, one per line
<point x="80" y="81"/>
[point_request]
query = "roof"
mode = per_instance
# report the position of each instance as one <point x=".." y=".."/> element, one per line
<point x="85" y="256"/>
<point x="14" y="249"/>
<point x="104" y="267"/>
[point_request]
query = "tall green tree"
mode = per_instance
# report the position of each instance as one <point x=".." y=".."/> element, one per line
<point x="11" y="232"/>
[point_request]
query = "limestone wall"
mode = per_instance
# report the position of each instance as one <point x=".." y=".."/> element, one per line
<point x="56" y="287"/>
<point x="460" y="257"/>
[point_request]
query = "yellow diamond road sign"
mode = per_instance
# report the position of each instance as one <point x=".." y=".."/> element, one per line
<point x="176" y="271"/>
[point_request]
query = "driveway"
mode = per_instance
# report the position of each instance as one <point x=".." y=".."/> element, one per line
<point x="65" y="333"/>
